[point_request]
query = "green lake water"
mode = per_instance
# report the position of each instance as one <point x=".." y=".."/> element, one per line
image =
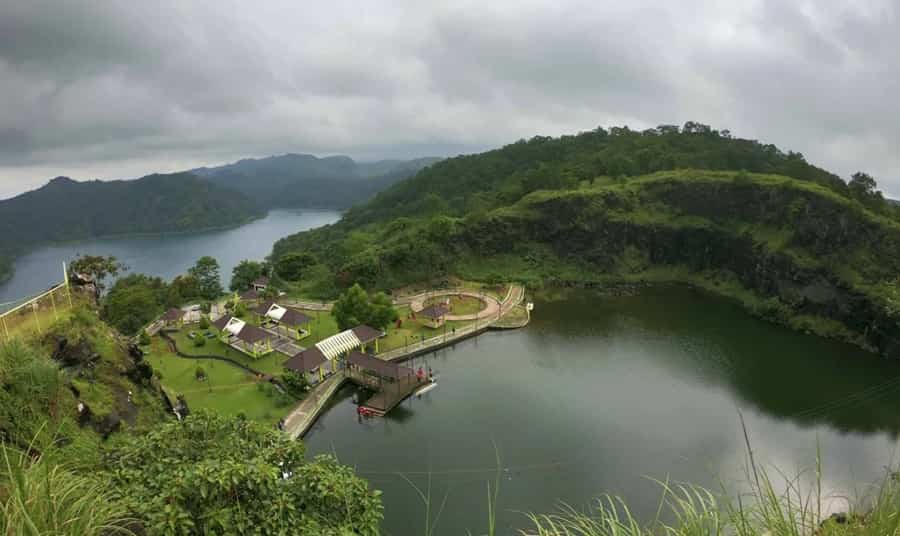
<point x="599" y="394"/>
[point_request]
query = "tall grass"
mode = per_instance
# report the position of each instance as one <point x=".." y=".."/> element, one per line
<point x="41" y="499"/>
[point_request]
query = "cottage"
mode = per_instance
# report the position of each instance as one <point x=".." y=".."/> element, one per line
<point x="245" y="337"/>
<point x="333" y="351"/>
<point x="434" y="316"/>
<point x="173" y="318"/>
<point x="285" y="321"/>
<point x="260" y="284"/>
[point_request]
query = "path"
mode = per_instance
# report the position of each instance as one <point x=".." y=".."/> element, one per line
<point x="304" y="414"/>
<point x="492" y="304"/>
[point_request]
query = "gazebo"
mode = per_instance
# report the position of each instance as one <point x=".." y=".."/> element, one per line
<point x="435" y="315"/>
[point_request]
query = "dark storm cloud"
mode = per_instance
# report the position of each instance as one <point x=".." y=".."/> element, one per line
<point x="118" y="89"/>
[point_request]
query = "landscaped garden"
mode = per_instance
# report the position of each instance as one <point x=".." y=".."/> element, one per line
<point x="459" y="304"/>
<point x="216" y="385"/>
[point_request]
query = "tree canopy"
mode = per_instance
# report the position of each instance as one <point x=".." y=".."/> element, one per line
<point x="245" y="273"/>
<point x="356" y="307"/>
<point x="206" y="272"/>
<point x="212" y="475"/>
<point x="97" y="267"/>
<point x="292" y="266"/>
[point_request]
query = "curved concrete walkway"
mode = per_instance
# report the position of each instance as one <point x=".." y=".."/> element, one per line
<point x="490" y="309"/>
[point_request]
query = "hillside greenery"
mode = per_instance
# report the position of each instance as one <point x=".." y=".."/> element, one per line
<point x="65" y="210"/>
<point x="794" y="243"/>
<point x="306" y="181"/>
<point x="89" y="446"/>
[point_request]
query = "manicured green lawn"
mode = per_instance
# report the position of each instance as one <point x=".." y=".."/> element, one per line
<point x="227" y="389"/>
<point x="459" y="305"/>
<point x="411" y="331"/>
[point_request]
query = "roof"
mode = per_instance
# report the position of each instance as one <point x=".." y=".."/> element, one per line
<point x="381" y="367"/>
<point x="250" y="294"/>
<point x="234" y="325"/>
<point x="221" y="322"/>
<point x="173" y="315"/>
<point x="261" y="281"/>
<point x="285" y="315"/>
<point x="434" y="311"/>
<point x="306" y="360"/>
<point x="264" y="307"/>
<point x="338" y="344"/>
<point x="252" y="334"/>
<point x="293" y="317"/>
<point x="367" y="334"/>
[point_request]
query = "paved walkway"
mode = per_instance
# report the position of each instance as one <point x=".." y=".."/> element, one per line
<point x="304" y="414"/>
<point x="490" y="310"/>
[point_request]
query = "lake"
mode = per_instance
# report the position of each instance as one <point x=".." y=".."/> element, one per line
<point x="165" y="256"/>
<point x="599" y="394"/>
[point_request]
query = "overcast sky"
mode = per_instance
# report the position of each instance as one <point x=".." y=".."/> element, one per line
<point x="121" y="89"/>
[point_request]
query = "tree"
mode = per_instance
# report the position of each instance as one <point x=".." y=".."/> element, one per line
<point x="144" y="339"/>
<point x="295" y="382"/>
<point x="204" y="322"/>
<point x="245" y="273"/>
<point x="206" y="271"/>
<point x="232" y="476"/>
<point x="292" y="266"/>
<point x="355" y="307"/>
<point x="862" y="187"/>
<point x="182" y="289"/>
<point x="98" y="268"/>
<point x="133" y="302"/>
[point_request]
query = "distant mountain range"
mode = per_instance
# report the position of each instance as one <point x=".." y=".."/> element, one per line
<point x="202" y="198"/>
<point x="65" y="209"/>
<point x="306" y="181"/>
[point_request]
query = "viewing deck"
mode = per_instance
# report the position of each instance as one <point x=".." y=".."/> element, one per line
<point x="387" y="393"/>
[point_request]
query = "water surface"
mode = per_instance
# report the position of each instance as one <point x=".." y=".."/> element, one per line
<point x="600" y="393"/>
<point x="165" y="255"/>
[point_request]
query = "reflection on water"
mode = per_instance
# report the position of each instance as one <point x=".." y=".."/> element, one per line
<point x="599" y="393"/>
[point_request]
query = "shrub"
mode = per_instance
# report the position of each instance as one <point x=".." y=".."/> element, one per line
<point x="200" y="341"/>
<point x="144" y="339"/>
<point x="200" y="374"/>
<point x="204" y="322"/>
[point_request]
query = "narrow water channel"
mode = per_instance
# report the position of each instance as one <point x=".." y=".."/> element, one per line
<point x="600" y="394"/>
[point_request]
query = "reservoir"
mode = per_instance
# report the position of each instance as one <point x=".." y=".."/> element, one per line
<point x="601" y="394"/>
<point x="165" y="256"/>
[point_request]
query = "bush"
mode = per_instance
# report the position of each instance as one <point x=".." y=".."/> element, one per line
<point x="144" y="338"/>
<point x="199" y="340"/>
<point x="200" y="374"/>
<point x="206" y="307"/>
<point x="204" y="322"/>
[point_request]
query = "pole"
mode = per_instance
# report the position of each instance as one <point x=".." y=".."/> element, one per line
<point x="36" y="320"/>
<point x="53" y="304"/>
<point x="66" y="280"/>
<point x="5" y="329"/>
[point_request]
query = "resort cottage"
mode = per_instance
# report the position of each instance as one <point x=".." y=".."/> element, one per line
<point x="173" y="318"/>
<point x="261" y="284"/>
<point x="326" y="356"/>
<point x="285" y="321"/>
<point x="245" y="337"/>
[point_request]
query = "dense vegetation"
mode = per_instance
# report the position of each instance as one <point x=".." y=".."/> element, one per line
<point x="66" y="210"/>
<point x="303" y="180"/>
<point x="793" y="242"/>
<point x="89" y="446"/>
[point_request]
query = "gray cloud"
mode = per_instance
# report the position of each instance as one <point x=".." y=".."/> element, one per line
<point x="98" y="89"/>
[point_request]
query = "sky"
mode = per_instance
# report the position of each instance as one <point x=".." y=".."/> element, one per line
<point x="122" y="89"/>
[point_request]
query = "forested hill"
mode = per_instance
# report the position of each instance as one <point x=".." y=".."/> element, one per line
<point x="306" y="181"/>
<point x="794" y="243"/>
<point x="65" y="209"/>
<point x="474" y="183"/>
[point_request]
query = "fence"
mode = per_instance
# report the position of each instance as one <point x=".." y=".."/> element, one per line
<point x="35" y="314"/>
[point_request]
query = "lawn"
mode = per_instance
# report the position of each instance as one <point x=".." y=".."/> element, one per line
<point x="411" y="331"/>
<point x="226" y="390"/>
<point x="459" y="305"/>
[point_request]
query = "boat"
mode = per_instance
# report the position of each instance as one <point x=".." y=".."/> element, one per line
<point x="424" y="389"/>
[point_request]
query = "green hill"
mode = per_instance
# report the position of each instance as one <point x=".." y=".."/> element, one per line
<point x="306" y="181"/>
<point x="65" y="209"/>
<point x="791" y="241"/>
